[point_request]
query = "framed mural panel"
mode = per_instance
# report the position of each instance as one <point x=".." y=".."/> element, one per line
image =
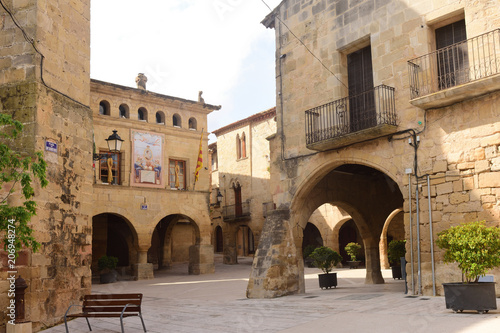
<point x="147" y="159"/>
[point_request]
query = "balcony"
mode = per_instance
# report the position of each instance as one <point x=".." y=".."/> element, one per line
<point x="236" y="212"/>
<point x="352" y="119"/>
<point x="458" y="72"/>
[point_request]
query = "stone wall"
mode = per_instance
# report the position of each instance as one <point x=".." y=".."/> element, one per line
<point x="52" y="102"/>
<point x="458" y="145"/>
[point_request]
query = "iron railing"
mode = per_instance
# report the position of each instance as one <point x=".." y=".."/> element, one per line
<point x="460" y="63"/>
<point x="233" y="212"/>
<point x="351" y="114"/>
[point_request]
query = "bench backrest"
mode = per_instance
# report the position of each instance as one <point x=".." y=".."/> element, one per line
<point x="112" y="303"/>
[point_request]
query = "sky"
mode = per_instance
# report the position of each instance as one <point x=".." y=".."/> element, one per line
<point x="184" y="46"/>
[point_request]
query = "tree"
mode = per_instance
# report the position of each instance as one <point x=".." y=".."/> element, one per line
<point x="17" y="170"/>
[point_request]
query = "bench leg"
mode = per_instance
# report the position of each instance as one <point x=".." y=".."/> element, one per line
<point x="87" y="319"/>
<point x="142" y="321"/>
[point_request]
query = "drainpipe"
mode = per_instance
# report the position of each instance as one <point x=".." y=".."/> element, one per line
<point x="432" y="242"/>
<point x="418" y="243"/>
<point x="411" y="237"/>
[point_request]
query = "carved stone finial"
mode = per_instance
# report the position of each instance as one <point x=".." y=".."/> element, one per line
<point x="141" y="80"/>
<point x="200" y="99"/>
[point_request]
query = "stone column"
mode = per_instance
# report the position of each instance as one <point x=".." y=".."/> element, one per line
<point x="275" y="270"/>
<point x="201" y="259"/>
<point x="142" y="269"/>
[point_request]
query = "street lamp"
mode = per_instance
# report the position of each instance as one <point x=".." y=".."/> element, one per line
<point x="219" y="197"/>
<point x="114" y="145"/>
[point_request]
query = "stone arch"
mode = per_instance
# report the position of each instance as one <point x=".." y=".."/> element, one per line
<point x="124" y="111"/>
<point x="104" y="108"/>
<point x="123" y="244"/>
<point x="384" y="261"/>
<point x="160" y="117"/>
<point x="142" y="114"/>
<point x="162" y="252"/>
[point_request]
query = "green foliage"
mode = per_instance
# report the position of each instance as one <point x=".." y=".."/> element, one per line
<point x="352" y="250"/>
<point x="17" y="170"/>
<point x="475" y="247"/>
<point x="106" y="262"/>
<point x="325" y="258"/>
<point x="396" y="250"/>
<point x="308" y="250"/>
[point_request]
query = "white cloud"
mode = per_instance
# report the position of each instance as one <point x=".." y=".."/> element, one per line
<point x="184" y="46"/>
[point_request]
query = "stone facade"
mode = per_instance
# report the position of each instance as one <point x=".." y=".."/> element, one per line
<point x="446" y="132"/>
<point x="150" y="222"/>
<point x="52" y="101"/>
<point x="241" y="175"/>
<point x="82" y="213"/>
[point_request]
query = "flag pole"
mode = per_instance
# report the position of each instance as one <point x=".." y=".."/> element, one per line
<point x="199" y="163"/>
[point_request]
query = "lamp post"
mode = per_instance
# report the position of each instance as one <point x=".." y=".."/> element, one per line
<point x="114" y="145"/>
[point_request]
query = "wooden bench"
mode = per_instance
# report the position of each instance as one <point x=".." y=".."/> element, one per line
<point x="108" y="306"/>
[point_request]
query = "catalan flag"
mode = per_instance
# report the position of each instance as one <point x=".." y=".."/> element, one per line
<point x="199" y="164"/>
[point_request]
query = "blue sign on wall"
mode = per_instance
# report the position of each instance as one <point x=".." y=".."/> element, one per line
<point x="51" y="146"/>
<point x="144" y="206"/>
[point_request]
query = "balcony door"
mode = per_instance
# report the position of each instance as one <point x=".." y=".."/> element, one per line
<point x="453" y="61"/>
<point x="362" y="111"/>
<point x="237" y="201"/>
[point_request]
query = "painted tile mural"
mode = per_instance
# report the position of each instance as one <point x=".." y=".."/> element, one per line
<point x="147" y="159"/>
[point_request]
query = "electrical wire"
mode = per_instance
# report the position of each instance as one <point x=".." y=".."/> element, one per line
<point x="305" y="46"/>
<point x="42" y="57"/>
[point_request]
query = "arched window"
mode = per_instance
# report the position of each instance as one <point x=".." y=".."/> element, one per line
<point x="238" y="146"/>
<point x="243" y="146"/>
<point x="142" y="114"/>
<point x="104" y="108"/>
<point x="176" y="120"/>
<point x="124" y="111"/>
<point x="192" y="124"/>
<point x="160" y="117"/>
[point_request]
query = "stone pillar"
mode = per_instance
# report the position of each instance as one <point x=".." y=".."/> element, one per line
<point x="142" y="269"/>
<point x="201" y="259"/>
<point x="373" y="272"/>
<point x="230" y="250"/>
<point x="275" y="269"/>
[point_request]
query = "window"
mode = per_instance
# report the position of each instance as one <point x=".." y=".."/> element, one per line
<point x="176" y="120"/>
<point x="160" y="117"/>
<point x="124" y="111"/>
<point x="104" y="108"/>
<point x="177" y="174"/>
<point x="362" y="111"/>
<point x="238" y="147"/>
<point x="453" y="62"/>
<point x="243" y="146"/>
<point x="142" y="114"/>
<point x="192" y="123"/>
<point x="238" y="209"/>
<point x="107" y="162"/>
<point x="214" y="160"/>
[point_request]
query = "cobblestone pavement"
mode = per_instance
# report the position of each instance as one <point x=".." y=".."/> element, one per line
<point x="177" y="302"/>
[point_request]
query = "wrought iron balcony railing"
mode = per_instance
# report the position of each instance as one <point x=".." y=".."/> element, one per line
<point x="235" y="212"/>
<point x="460" y="63"/>
<point x="351" y="114"/>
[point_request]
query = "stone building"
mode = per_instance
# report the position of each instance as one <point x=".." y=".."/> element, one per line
<point x="117" y="206"/>
<point x="240" y="178"/>
<point x="146" y="208"/>
<point x="383" y="107"/>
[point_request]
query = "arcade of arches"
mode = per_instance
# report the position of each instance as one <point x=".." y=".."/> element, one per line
<point x="175" y="239"/>
<point x="365" y="202"/>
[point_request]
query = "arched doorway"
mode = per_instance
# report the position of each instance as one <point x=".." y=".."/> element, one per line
<point x="245" y="241"/>
<point x="172" y="240"/>
<point x="219" y="240"/>
<point x="312" y="236"/>
<point x="113" y="235"/>
<point x="349" y="233"/>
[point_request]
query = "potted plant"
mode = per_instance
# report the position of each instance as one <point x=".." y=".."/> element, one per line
<point x="107" y="265"/>
<point x="325" y="259"/>
<point x="308" y="261"/>
<point x="352" y="250"/>
<point x="395" y="251"/>
<point x="476" y="249"/>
